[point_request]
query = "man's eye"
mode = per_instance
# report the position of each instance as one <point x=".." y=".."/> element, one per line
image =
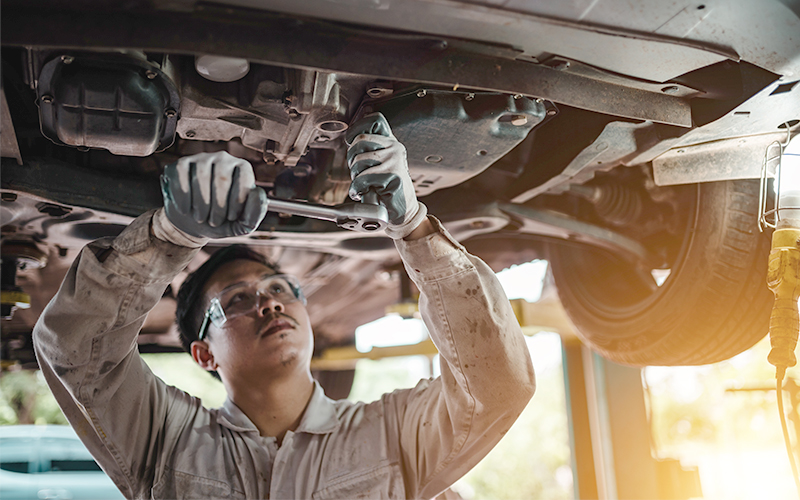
<point x="277" y="288"/>
<point x="236" y="298"/>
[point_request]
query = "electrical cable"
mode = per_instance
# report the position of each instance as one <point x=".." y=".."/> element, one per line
<point x="780" y="372"/>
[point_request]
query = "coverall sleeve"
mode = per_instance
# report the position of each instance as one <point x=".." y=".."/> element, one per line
<point x="447" y="425"/>
<point x="85" y="342"/>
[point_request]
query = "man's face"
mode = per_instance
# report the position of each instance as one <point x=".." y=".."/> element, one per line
<point x="272" y="341"/>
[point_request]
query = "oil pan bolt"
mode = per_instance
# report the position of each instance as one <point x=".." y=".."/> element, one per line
<point x="422" y="93"/>
<point x="170" y="113"/>
<point x="150" y="74"/>
<point x="433" y="159"/>
<point x="519" y="120"/>
<point x="67" y="59"/>
<point x="47" y="99"/>
<point x="517" y="96"/>
<point x="469" y="96"/>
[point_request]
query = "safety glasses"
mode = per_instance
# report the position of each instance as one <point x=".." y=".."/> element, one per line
<point x="243" y="298"/>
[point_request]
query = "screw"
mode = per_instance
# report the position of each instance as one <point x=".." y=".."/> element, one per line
<point x="433" y="159"/>
<point x="67" y="59"/>
<point x="422" y="93"/>
<point x="519" y="120"/>
<point x="517" y="96"/>
<point x="170" y="113"/>
<point x="670" y="89"/>
<point x="551" y="112"/>
<point x="47" y="99"/>
<point x="539" y="100"/>
<point x="469" y="96"/>
<point x="150" y="74"/>
<point x="379" y="91"/>
<point x="190" y="133"/>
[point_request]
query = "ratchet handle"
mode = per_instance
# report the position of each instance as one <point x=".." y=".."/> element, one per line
<point x="364" y="217"/>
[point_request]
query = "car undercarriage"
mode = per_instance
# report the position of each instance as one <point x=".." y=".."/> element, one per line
<point x="621" y="144"/>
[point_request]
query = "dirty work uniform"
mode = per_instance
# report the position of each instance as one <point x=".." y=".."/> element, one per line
<point x="156" y="441"/>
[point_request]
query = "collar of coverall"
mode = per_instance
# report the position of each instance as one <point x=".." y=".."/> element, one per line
<point x="319" y="417"/>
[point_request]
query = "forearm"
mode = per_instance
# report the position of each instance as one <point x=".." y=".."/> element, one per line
<point x="487" y="378"/>
<point x="467" y="312"/>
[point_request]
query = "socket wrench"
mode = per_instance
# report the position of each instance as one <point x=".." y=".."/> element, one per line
<point x="367" y="216"/>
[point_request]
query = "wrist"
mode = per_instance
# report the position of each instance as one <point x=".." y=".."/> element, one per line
<point x="424" y="229"/>
<point x="403" y="230"/>
<point x="163" y="229"/>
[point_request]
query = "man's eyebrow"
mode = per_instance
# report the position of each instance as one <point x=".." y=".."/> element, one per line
<point x="233" y="285"/>
<point x="243" y="282"/>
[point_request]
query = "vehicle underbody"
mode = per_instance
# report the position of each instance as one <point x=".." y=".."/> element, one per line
<point x="619" y="146"/>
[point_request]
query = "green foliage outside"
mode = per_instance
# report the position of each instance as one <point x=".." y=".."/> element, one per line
<point x="26" y="399"/>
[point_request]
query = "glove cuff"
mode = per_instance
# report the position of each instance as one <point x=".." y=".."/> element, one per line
<point x="402" y="230"/>
<point x="165" y="230"/>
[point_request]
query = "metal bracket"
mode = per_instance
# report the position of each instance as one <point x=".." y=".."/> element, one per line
<point x="273" y="39"/>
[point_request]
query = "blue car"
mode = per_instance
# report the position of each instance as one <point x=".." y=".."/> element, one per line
<point x="39" y="462"/>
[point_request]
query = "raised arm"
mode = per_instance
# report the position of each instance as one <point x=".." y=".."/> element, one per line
<point x="447" y="425"/>
<point x="85" y="340"/>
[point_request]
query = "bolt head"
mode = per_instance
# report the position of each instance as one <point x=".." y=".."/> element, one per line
<point x="150" y="74"/>
<point x="422" y="93"/>
<point x="433" y="159"/>
<point x="519" y="120"/>
<point x="469" y="96"/>
<point x="67" y="59"/>
<point x="47" y="99"/>
<point x="551" y="112"/>
<point x="170" y="113"/>
<point x="518" y="96"/>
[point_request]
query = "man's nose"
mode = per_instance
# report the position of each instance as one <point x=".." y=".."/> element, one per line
<point x="267" y="303"/>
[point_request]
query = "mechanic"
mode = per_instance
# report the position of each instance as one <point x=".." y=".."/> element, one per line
<point x="277" y="435"/>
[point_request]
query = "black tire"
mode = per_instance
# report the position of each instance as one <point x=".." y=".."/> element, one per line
<point x="714" y="304"/>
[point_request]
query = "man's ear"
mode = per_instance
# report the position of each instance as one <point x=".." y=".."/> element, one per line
<point x="202" y="355"/>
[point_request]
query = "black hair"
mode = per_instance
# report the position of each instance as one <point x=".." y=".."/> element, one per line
<point x="189" y="312"/>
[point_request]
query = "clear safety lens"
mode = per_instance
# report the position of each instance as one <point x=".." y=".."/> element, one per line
<point x="243" y="298"/>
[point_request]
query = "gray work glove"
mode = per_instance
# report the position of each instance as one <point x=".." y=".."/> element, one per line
<point x="208" y="195"/>
<point x="378" y="163"/>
